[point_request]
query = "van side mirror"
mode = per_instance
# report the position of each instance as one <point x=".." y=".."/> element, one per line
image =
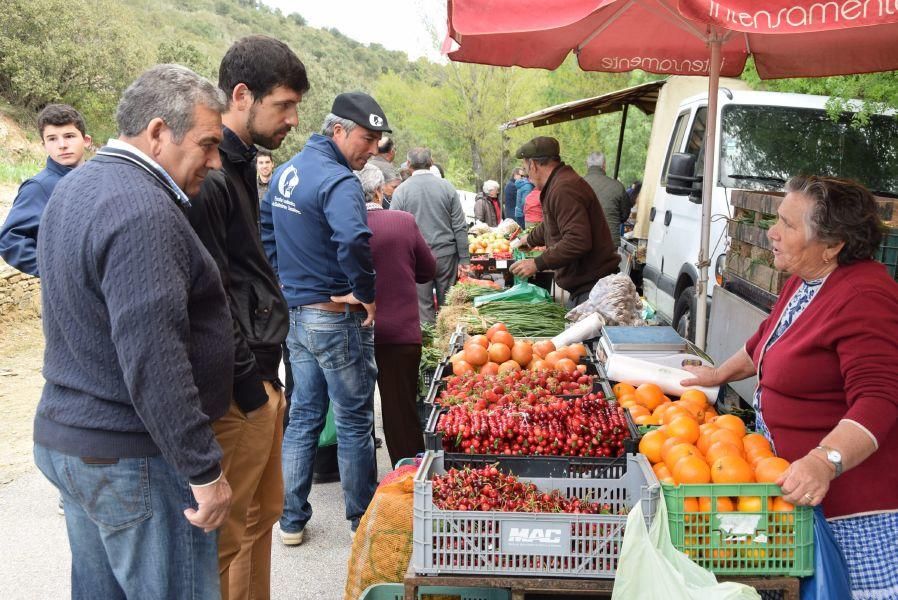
<point x="681" y="177"/>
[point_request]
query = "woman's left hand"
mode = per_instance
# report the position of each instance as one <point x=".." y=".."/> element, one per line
<point x="806" y="481"/>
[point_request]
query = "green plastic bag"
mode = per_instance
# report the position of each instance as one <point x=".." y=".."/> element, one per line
<point x="650" y="568"/>
<point x="525" y="293"/>
<point x="328" y="435"/>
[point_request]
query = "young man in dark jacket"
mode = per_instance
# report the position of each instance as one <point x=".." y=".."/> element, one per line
<point x="574" y="229"/>
<point x="265" y="82"/>
<point x="64" y="136"/>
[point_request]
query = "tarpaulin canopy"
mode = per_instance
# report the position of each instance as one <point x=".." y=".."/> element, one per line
<point x="787" y="38"/>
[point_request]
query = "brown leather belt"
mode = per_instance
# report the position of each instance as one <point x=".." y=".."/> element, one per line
<point x="335" y="306"/>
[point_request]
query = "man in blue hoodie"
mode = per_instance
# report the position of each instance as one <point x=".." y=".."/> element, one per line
<point x="315" y="233"/>
<point x="64" y="136"/>
<point x="524" y="186"/>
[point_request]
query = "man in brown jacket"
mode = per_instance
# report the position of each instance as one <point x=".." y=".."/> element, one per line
<point x="574" y="229"/>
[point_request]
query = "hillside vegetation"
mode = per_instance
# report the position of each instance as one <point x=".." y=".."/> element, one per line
<point x="85" y="53"/>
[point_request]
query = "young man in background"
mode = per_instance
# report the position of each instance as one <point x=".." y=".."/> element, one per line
<point x="65" y="139"/>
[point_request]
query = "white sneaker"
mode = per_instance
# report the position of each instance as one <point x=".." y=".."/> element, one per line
<point x="292" y="539"/>
<point x="59" y="507"/>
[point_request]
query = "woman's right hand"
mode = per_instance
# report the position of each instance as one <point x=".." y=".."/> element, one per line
<point x="702" y="376"/>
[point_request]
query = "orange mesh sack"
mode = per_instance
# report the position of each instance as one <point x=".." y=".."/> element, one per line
<point x="383" y="541"/>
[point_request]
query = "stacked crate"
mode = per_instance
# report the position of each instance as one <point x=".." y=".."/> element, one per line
<point x="750" y="257"/>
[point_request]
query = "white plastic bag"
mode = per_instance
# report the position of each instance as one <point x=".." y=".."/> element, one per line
<point x="614" y="298"/>
<point x="650" y="568"/>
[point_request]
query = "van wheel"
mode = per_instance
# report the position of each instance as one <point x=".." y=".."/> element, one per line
<point x="684" y="314"/>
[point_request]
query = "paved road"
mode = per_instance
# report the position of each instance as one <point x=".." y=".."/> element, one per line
<point x="36" y="559"/>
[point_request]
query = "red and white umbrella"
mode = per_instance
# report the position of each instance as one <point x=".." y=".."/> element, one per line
<point x="787" y="38"/>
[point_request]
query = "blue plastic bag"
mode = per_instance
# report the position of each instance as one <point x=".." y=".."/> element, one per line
<point x="830" y="579"/>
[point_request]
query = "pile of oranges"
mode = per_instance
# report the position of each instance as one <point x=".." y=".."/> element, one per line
<point x="695" y="445"/>
<point x="498" y="352"/>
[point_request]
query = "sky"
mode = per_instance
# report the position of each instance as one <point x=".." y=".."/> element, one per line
<point x="394" y="24"/>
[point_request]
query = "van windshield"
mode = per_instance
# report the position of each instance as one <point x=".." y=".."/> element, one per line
<point x="763" y="146"/>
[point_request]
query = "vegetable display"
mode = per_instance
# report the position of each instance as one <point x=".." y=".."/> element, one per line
<point x="527" y="320"/>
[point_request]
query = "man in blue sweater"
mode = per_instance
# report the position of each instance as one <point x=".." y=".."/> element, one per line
<point x="65" y="139"/>
<point x="315" y="232"/>
<point x="139" y="351"/>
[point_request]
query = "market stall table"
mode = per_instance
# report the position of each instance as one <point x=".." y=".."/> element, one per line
<point x="598" y="588"/>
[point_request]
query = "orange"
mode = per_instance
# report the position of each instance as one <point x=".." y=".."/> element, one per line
<point x="719" y="450"/>
<point x="647" y="420"/>
<point x="669" y="443"/>
<point x="649" y="395"/>
<point x="731" y="469"/>
<point x="543" y="348"/>
<point x="710" y="414"/>
<point x="575" y="352"/>
<point x="476" y="354"/>
<point x="696" y="396"/>
<point x="724" y="504"/>
<point x="461" y="367"/>
<point x="662" y="408"/>
<point x="553" y="357"/>
<point x="490" y="368"/>
<point x="685" y="428"/>
<point x="492" y="330"/>
<point x="755" y="441"/>
<point x="566" y="365"/>
<point x="727" y="435"/>
<point x="650" y="445"/>
<point x="661" y="470"/>
<point x="626" y="398"/>
<point x="696" y="410"/>
<point x="731" y="422"/>
<point x="749" y="504"/>
<point x="499" y="353"/>
<point x="522" y="353"/>
<point x="508" y="366"/>
<point x="480" y="340"/>
<point x="757" y="456"/>
<point x="673" y="412"/>
<point x="503" y="337"/>
<point x="769" y="469"/>
<point x="622" y="389"/>
<point x="691" y="469"/>
<point x="780" y="505"/>
<point x="677" y="452"/>
<point x="638" y="411"/>
<point x="537" y="364"/>
<point x="690" y="505"/>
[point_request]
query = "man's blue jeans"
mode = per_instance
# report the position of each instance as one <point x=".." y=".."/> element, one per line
<point x="332" y="357"/>
<point x="127" y="530"/>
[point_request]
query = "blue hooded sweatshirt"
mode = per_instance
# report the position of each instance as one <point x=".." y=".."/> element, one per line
<point x="18" y="237"/>
<point x="315" y="227"/>
<point x="524" y="187"/>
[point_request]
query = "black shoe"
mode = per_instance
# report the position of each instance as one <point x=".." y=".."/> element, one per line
<point x="378" y="442"/>
<point x="325" y="477"/>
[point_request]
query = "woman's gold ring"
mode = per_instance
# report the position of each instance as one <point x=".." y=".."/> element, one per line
<point x="809" y="498"/>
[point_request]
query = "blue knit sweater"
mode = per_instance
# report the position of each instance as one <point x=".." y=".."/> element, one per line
<point x="139" y="351"/>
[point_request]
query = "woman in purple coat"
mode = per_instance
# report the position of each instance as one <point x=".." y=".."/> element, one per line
<point x="401" y="259"/>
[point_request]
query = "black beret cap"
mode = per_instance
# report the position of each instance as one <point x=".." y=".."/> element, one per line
<point x="539" y="147"/>
<point x="362" y="109"/>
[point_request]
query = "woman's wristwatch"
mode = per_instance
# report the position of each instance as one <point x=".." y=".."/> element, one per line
<point x="833" y="456"/>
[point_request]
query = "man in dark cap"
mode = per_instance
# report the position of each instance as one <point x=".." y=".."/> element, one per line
<point x="315" y="233"/>
<point x="574" y="229"/>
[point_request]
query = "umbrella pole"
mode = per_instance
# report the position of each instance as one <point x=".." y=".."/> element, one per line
<point x="620" y="140"/>
<point x="701" y="290"/>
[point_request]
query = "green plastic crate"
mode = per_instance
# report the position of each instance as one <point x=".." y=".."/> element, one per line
<point x="741" y="543"/>
<point x="396" y="591"/>
<point x="887" y="253"/>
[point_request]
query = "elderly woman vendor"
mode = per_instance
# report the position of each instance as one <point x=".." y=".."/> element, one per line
<point x="827" y="365"/>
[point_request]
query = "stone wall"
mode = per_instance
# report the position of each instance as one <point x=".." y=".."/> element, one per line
<point x="20" y="294"/>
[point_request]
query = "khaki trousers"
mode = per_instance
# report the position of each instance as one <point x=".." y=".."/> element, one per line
<point x="252" y="466"/>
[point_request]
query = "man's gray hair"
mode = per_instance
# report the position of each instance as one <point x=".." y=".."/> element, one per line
<point x="171" y="93"/>
<point x="419" y="158"/>
<point x="489" y="184"/>
<point x="596" y="159"/>
<point x="327" y="129"/>
<point x="372" y="179"/>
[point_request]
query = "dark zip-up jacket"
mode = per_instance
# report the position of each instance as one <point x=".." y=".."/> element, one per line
<point x="225" y="216"/>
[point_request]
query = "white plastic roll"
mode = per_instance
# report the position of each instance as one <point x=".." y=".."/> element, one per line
<point x="636" y="371"/>
<point x="585" y="329"/>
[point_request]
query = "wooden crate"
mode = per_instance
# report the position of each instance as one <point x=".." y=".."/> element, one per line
<point x="757" y="273"/>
